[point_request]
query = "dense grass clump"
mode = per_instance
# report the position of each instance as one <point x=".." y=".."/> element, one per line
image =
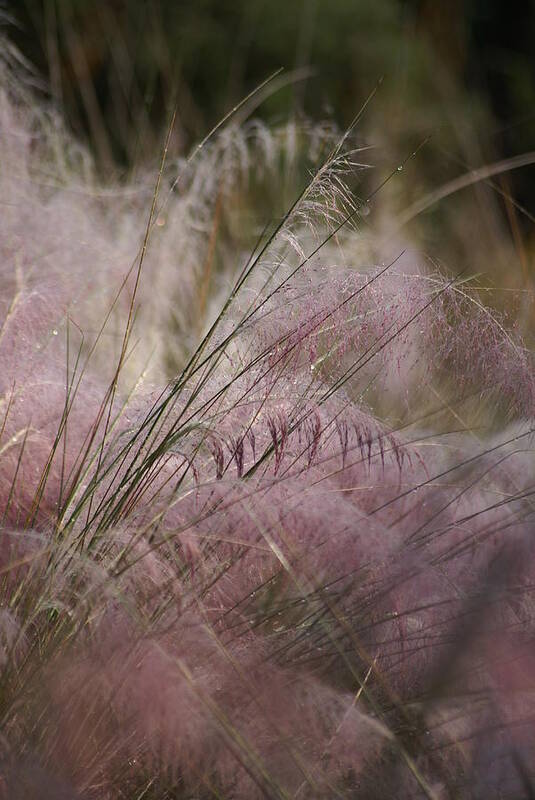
<point x="267" y="514"/>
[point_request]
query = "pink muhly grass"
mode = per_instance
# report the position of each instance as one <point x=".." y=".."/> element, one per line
<point x="247" y="583"/>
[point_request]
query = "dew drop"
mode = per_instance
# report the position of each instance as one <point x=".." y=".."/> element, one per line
<point x="400" y="168"/>
<point x="54" y="332"/>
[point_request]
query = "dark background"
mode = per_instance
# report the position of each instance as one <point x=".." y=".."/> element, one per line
<point x="462" y="71"/>
<point x="142" y="56"/>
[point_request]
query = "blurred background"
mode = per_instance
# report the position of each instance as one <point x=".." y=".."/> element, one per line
<point x="460" y="72"/>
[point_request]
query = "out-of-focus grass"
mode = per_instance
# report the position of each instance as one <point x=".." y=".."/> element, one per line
<point x="119" y="69"/>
